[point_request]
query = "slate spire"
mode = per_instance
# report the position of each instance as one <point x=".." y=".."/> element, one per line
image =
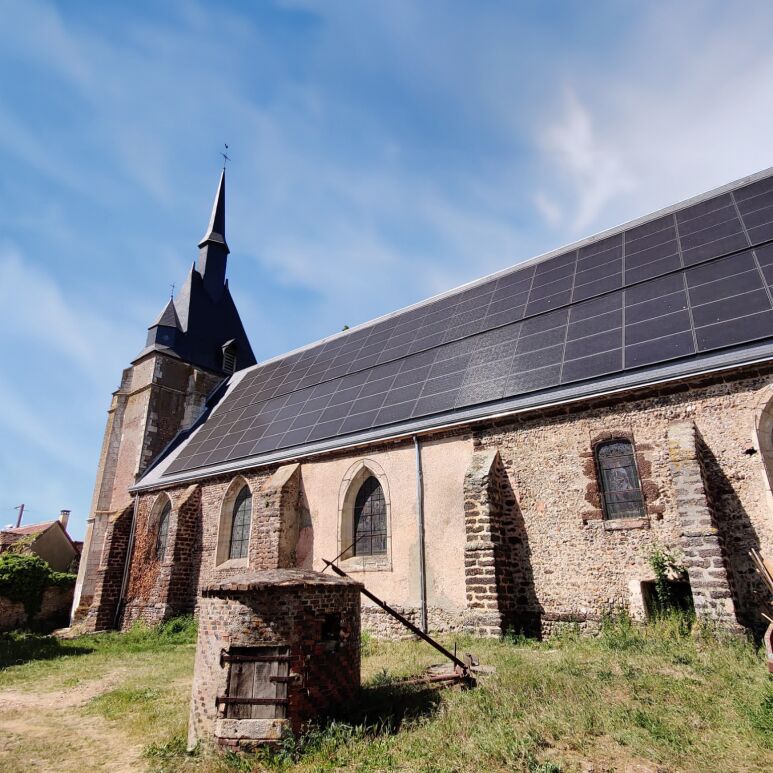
<point x="213" y="249"/>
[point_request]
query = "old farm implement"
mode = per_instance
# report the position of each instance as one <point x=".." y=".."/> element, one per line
<point x="462" y="671"/>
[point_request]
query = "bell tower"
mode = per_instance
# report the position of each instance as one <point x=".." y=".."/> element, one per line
<point x="196" y="342"/>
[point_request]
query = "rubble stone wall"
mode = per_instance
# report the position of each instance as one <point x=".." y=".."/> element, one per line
<point x="54" y="607"/>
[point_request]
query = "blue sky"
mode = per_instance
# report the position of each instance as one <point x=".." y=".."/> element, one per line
<point x="382" y="152"/>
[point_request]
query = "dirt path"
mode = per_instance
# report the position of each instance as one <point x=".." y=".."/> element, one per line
<point x="50" y="731"/>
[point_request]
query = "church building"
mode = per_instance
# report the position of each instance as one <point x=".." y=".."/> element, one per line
<point x="508" y="455"/>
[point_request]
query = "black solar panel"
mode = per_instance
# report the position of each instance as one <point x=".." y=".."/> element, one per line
<point x="678" y="285"/>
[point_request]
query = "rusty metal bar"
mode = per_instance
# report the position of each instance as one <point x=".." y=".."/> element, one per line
<point x="429" y="679"/>
<point x="407" y="623"/>
<point x="226" y="658"/>
<point x="251" y="701"/>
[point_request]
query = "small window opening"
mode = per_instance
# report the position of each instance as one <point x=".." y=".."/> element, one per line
<point x="331" y="632"/>
<point x="257" y="682"/>
<point x="621" y="495"/>
<point x="229" y="357"/>
<point x="678" y="597"/>
<point x="163" y="531"/>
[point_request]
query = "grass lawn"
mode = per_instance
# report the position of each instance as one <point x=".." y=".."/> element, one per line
<point x="658" y="698"/>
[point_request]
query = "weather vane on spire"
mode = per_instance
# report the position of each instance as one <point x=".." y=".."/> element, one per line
<point x="226" y="157"/>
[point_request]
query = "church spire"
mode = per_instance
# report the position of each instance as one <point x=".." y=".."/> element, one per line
<point x="213" y="249"/>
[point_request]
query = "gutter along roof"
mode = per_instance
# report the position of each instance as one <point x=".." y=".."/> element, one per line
<point x="686" y="290"/>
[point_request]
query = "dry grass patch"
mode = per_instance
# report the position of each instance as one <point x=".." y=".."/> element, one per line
<point x="660" y="698"/>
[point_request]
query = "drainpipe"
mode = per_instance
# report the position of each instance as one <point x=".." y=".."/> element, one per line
<point x="420" y="516"/>
<point x="127" y="563"/>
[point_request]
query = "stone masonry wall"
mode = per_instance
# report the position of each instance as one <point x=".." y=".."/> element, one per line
<point x="54" y="608"/>
<point x="109" y="575"/>
<point x="158" y="397"/>
<point x="704" y="557"/>
<point x="489" y="524"/>
<point x="582" y="566"/>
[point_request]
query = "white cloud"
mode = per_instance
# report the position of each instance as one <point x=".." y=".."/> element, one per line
<point x="551" y="210"/>
<point x="592" y="166"/>
<point x="34" y="313"/>
<point x="667" y="121"/>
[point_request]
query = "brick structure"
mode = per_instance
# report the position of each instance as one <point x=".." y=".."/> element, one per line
<point x="513" y="542"/>
<point x="108" y="583"/>
<point x="490" y="572"/>
<point x="704" y="554"/>
<point x="309" y="623"/>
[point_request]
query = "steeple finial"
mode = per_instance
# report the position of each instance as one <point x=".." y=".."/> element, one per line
<point x="216" y="230"/>
<point x="226" y="157"/>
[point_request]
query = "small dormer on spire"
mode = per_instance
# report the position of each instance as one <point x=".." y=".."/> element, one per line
<point x="166" y="329"/>
<point x="213" y="249"/>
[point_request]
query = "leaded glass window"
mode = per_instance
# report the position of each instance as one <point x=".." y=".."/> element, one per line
<point x="163" y="531"/>
<point x="240" y="525"/>
<point x="621" y="495"/>
<point x="370" y="529"/>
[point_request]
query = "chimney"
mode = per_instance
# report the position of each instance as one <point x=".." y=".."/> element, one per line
<point x="64" y="516"/>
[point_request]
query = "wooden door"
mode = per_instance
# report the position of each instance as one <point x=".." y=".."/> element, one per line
<point x="257" y="683"/>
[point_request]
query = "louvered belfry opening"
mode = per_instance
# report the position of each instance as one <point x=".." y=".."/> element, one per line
<point x="276" y="649"/>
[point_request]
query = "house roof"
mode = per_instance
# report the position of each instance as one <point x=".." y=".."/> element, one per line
<point x="14" y="534"/>
<point x="682" y="291"/>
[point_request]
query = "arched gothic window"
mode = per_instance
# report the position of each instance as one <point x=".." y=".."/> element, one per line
<point x="619" y="484"/>
<point x="163" y="531"/>
<point x="370" y="522"/>
<point x="240" y="525"/>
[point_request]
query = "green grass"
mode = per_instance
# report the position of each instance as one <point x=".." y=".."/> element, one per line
<point x="664" y="697"/>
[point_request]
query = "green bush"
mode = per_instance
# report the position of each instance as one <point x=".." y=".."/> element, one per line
<point x="25" y="577"/>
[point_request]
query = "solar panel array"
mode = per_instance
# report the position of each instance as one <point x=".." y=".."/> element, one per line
<point x="683" y="284"/>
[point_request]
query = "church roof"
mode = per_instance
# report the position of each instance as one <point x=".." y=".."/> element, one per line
<point x="685" y="290"/>
<point x="196" y="324"/>
<point x="168" y="317"/>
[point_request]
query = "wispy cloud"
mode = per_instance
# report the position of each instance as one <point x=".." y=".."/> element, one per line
<point x="36" y="316"/>
<point x="593" y="168"/>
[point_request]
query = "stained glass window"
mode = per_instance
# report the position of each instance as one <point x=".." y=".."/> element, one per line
<point x="370" y="529"/>
<point x="163" y="531"/>
<point x="240" y="525"/>
<point x="621" y="494"/>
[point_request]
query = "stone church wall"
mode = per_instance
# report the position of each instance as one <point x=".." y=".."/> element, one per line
<point x="515" y="537"/>
<point x="581" y="565"/>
